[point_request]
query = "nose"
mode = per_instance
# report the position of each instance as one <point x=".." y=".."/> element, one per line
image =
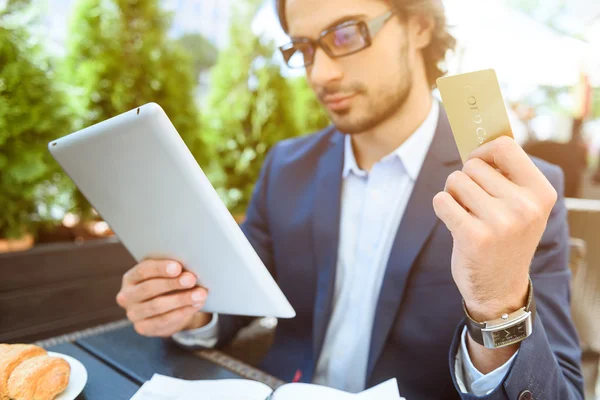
<point x="323" y="70"/>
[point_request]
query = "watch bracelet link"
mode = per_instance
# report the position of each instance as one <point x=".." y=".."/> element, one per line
<point x="475" y="328"/>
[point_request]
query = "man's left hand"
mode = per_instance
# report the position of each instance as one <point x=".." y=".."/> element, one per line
<point x="496" y="209"/>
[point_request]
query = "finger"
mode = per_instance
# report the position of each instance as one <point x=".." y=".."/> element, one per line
<point x="469" y="194"/>
<point x="167" y="324"/>
<point x="149" y="269"/>
<point x="450" y="212"/>
<point x="164" y="304"/>
<point x="506" y="155"/>
<point x="155" y="287"/>
<point x="488" y="178"/>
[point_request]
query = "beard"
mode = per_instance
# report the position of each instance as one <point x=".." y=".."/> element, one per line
<point x="381" y="103"/>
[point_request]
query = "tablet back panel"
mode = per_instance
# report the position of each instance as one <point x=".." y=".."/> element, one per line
<point x="141" y="178"/>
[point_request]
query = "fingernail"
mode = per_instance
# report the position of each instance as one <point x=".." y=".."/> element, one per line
<point x="198" y="296"/>
<point x="198" y="305"/>
<point x="186" y="281"/>
<point x="172" y="269"/>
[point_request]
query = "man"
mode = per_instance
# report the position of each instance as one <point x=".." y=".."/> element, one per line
<point x="347" y="221"/>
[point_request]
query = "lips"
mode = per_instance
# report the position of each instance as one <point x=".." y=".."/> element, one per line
<point x="338" y="101"/>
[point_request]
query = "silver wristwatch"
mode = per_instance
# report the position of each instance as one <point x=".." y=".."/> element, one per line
<point x="506" y="330"/>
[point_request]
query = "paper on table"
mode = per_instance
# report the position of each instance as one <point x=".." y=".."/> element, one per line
<point x="385" y="390"/>
<point x="162" y="387"/>
<point x="146" y="392"/>
<point x="227" y="389"/>
<point x="303" y="391"/>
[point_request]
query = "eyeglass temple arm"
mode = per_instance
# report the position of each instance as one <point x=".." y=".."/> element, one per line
<point x="377" y="23"/>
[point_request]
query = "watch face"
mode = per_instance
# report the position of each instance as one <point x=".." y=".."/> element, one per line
<point x="509" y="335"/>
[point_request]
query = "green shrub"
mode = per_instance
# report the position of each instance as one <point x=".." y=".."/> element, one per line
<point x="250" y="108"/>
<point x="32" y="113"/>
<point x="119" y="57"/>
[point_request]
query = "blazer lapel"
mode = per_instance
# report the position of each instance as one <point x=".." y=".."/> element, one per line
<point x="325" y="232"/>
<point x="417" y="224"/>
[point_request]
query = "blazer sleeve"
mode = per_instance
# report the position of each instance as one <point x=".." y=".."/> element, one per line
<point x="548" y="362"/>
<point x="256" y="229"/>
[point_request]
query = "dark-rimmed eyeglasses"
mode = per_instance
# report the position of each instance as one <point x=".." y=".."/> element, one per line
<point x="339" y="41"/>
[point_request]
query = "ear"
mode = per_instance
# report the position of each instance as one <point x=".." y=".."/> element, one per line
<point x="421" y="30"/>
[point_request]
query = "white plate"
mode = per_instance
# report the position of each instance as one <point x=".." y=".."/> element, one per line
<point x="77" y="380"/>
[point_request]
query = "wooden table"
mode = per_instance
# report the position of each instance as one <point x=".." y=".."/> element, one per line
<point x="119" y="361"/>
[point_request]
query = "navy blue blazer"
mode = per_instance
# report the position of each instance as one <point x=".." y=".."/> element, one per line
<point x="293" y="224"/>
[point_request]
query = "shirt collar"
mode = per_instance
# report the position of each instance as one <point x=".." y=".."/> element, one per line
<point x="411" y="153"/>
<point x="350" y="164"/>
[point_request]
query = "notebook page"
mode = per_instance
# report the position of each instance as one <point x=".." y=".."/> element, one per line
<point x="304" y="391"/>
<point x="387" y="390"/>
<point x="226" y="389"/>
<point x="383" y="391"/>
<point x="162" y="387"/>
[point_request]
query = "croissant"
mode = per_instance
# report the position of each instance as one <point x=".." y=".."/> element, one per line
<point x="39" y="378"/>
<point x="10" y="357"/>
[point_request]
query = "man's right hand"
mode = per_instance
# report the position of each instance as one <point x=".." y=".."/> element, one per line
<point x="161" y="298"/>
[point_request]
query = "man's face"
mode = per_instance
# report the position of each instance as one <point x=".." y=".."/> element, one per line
<point x="363" y="89"/>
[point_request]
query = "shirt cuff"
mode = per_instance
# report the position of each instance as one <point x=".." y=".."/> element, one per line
<point x="206" y="336"/>
<point x="469" y="379"/>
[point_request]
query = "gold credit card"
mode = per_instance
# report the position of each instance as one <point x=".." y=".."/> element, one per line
<point x="475" y="109"/>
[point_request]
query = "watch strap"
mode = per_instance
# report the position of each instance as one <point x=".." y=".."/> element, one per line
<point x="475" y="328"/>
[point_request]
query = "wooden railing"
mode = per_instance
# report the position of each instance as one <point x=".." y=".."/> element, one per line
<point x="55" y="289"/>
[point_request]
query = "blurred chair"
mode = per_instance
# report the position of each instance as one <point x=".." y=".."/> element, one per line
<point x="571" y="157"/>
<point x="584" y="223"/>
<point x="252" y="343"/>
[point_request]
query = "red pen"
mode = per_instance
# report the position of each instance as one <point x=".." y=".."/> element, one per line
<point x="297" y="376"/>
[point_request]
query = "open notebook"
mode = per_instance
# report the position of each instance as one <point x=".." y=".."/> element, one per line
<point x="162" y="387"/>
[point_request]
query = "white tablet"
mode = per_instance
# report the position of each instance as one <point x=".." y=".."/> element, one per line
<point x="141" y="178"/>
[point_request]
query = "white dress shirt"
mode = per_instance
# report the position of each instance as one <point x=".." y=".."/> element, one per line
<point x="372" y="206"/>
